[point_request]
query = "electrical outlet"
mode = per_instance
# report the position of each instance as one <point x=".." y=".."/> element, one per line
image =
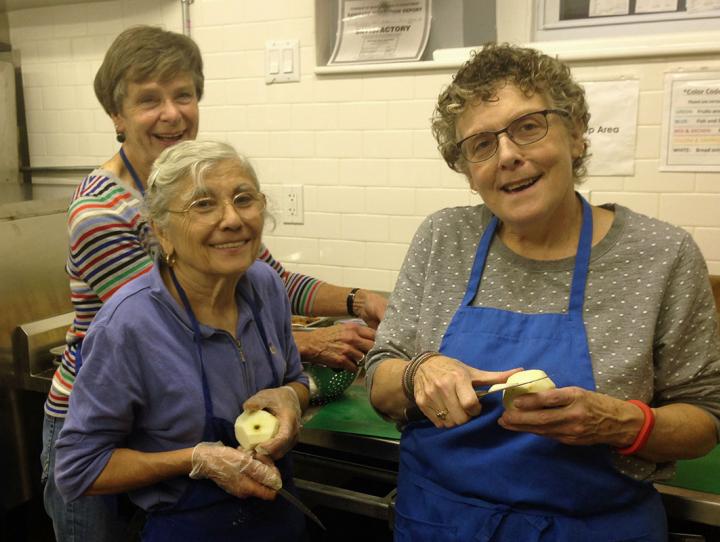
<point x="292" y="197"/>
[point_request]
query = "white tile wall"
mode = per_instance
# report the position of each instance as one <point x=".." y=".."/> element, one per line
<point x="358" y="144"/>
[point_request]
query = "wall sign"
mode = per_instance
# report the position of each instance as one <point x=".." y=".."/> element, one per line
<point x="613" y="126"/>
<point x="691" y="122"/>
<point x="371" y="31"/>
<point x="569" y="13"/>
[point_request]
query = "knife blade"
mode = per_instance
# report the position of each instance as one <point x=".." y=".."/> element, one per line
<point x="482" y="393"/>
<point x="297" y="503"/>
<point x="413" y="413"/>
<point x="292" y="499"/>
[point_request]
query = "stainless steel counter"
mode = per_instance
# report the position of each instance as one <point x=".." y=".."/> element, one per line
<point x="382" y="456"/>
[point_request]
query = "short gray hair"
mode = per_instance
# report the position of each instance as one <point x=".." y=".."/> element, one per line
<point x="187" y="160"/>
<point x="146" y="53"/>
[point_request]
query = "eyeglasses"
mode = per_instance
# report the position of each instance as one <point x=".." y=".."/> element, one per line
<point x="522" y="131"/>
<point x="210" y="210"/>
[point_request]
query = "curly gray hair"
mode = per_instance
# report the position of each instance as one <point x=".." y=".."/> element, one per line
<point x="532" y="72"/>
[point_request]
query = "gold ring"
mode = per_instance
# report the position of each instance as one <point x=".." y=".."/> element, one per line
<point x="441" y="414"/>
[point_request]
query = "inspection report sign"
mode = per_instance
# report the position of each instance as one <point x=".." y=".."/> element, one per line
<point x="691" y="122"/>
<point x="371" y="31"/>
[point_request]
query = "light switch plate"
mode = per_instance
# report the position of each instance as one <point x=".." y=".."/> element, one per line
<point x="282" y="61"/>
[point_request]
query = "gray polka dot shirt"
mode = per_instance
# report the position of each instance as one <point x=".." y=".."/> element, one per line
<point x="649" y="312"/>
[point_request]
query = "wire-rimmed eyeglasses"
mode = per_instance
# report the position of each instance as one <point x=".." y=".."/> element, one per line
<point x="209" y="209"/>
<point x="522" y="131"/>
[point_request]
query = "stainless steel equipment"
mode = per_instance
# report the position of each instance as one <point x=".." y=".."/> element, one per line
<point x="34" y="314"/>
<point x="348" y="472"/>
<point x="15" y="150"/>
<point x="9" y="165"/>
<point x="356" y="473"/>
<point x="34" y="288"/>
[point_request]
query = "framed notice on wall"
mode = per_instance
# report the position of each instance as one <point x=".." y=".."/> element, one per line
<point x="371" y="31"/>
<point x="691" y="122"/>
<point x="561" y="19"/>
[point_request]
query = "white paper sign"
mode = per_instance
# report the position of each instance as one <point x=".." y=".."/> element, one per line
<point x="605" y="8"/>
<point x="613" y="126"/>
<point x="691" y="122"/>
<point x="701" y="5"/>
<point x="654" y="6"/>
<point x="381" y="31"/>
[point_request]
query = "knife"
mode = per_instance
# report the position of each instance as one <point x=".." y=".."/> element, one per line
<point x="413" y="413"/>
<point x="482" y="393"/>
<point x="297" y="503"/>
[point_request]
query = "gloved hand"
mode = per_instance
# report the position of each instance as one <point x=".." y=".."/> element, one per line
<point x="235" y="470"/>
<point x="283" y="402"/>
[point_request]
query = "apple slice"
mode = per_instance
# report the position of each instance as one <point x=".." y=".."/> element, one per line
<point x="534" y="385"/>
<point x="252" y="428"/>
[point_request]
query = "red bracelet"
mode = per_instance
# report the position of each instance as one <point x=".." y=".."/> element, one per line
<point x="644" y="433"/>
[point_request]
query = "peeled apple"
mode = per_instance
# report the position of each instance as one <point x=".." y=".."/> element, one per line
<point x="252" y="428"/>
<point x="534" y="385"/>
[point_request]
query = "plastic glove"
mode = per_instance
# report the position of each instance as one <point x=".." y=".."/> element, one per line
<point x="234" y="470"/>
<point x="283" y="402"/>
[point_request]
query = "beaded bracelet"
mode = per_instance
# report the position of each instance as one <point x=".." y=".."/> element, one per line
<point x="408" y="377"/>
<point x="644" y="433"/>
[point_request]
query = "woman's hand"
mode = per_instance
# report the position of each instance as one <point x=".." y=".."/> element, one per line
<point x="575" y="416"/>
<point x="235" y="470"/>
<point x="284" y="403"/>
<point x="340" y="346"/>
<point x="370" y="307"/>
<point x="444" y="389"/>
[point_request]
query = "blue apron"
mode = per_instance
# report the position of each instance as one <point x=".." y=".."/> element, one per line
<point x="480" y="482"/>
<point x="205" y="512"/>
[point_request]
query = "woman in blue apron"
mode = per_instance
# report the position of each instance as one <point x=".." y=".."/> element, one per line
<point x="176" y="355"/>
<point x="570" y="463"/>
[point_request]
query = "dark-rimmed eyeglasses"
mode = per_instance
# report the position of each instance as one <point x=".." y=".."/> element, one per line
<point x="522" y="131"/>
<point x="209" y="210"/>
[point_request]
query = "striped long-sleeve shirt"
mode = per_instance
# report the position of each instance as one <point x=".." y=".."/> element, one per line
<point x="111" y="244"/>
<point x="301" y="289"/>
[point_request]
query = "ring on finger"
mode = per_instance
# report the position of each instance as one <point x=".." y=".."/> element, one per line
<point x="441" y="414"/>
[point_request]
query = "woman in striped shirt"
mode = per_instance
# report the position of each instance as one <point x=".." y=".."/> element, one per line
<point x="150" y="83"/>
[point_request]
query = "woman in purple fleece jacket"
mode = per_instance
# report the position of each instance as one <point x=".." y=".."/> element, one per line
<point x="175" y="356"/>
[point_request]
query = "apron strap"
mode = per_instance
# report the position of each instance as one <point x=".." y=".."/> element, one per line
<point x="133" y="173"/>
<point x="207" y="398"/>
<point x="479" y="263"/>
<point x="254" y="304"/>
<point x="582" y="263"/>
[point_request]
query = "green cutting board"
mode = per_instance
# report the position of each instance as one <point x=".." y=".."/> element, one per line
<point x="352" y="413"/>
<point x="701" y="474"/>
